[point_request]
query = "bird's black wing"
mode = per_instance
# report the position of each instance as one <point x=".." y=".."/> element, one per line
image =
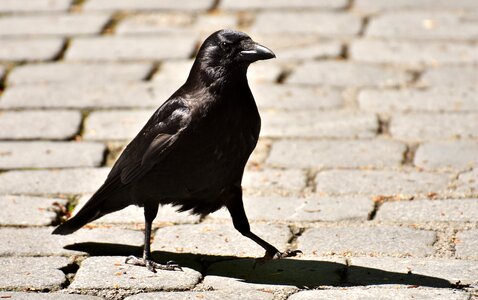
<point x="157" y="138"/>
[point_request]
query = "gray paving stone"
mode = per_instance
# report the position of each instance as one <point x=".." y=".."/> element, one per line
<point x="135" y="215"/>
<point x="32" y="211"/>
<point x="30" y="49"/>
<point x="44" y="296"/>
<point x="317" y="50"/>
<point x="148" y="5"/>
<point x="28" y="6"/>
<point x="413" y="54"/>
<point x="467" y="244"/>
<point x="218" y="239"/>
<point x="422" y="127"/>
<point x="448" y="210"/>
<point x="115" y="125"/>
<point x="424" y="25"/>
<point x="313" y="208"/>
<point x="436" y="99"/>
<point x="381" y="294"/>
<point x="85" y="95"/>
<point x="274" y="181"/>
<point x="274" y="276"/>
<point x="387" y="240"/>
<point x="206" y="295"/>
<point x="54" y="125"/>
<point x="452" y="155"/>
<point x="464" y="75"/>
<point x="340" y="182"/>
<point x="64" y="72"/>
<point x="40" y="241"/>
<point x="341" y="73"/>
<point x="57" y="25"/>
<point x="452" y="270"/>
<point x="68" y="181"/>
<point x="290" y="97"/>
<point x="157" y="23"/>
<point x="32" y="273"/>
<point x="372" y="6"/>
<point x="123" y="48"/>
<point x="18" y="155"/>
<point x="307" y="22"/>
<point x="330" y="124"/>
<point x="110" y="272"/>
<point x="274" y="4"/>
<point x="336" y="154"/>
<point x="467" y="182"/>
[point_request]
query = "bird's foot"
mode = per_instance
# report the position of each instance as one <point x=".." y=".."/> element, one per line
<point x="273" y="255"/>
<point x="152" y="265"/>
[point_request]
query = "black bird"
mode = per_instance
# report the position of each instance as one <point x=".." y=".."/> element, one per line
<point x="193" y="150"/>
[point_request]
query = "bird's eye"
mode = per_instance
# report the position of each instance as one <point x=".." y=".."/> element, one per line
<point x="225" y="45"/>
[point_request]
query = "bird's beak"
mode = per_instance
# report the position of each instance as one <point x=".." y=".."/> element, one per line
<point x="255" y="51"/>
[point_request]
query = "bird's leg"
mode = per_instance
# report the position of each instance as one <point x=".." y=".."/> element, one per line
<point x="239" y="219"/>
<point x="147" y="261"/>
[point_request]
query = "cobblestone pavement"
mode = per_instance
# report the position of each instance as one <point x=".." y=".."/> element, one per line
<point x="368" y="159"/>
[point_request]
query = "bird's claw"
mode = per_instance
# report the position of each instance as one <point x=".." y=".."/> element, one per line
<point x="276" y="255"/>
<point x="152" y="265"/>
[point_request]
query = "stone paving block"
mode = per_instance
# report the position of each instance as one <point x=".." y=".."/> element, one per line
<point x="387" y="240"/>
<point x="30" y="49"/>
<point x="373" y="6"/>
<point x="314" y="208"/>
<point x="381" y="293"/>
<point x="40" y="241"/>
<point x="274" y="276"/>
<point x="436" y="99"/>
<point x="44" y="296"/>
<point x="336" y="154"/>
<point x="423" y="25"/>
<point x="135" y="215"/>
<point x="458" y="76"/>
<point x="32" y="211"/>
<point x="304" y="124"/>
<point x="340" y="73"/>
<point x="307" y="22"/>
<point x="283" y="4"/>
<point x="467" y="182"/>
<point x="68" y="181"/>
<point x="85" y="95"/>
<point x="110" y="272"/>
<point x="148" y="5"/>
<point x="440" y="271"/>
<point x="466" y="244"/>
<point x="18" y="155"/>
<point x="340" y="182"/>
<point x="32" y="273"/>
<point x="115" y="125"/>
<point x="28" y="6"/>
<point x="313" y="51"/>
<point x="447" y="210"/>
<point x="452" y="155"/>
<point x="157" y="23"/>
<point x="218" y="239"/>
<point x="63" y="72"/>
<point x="290" y="97"/>
<point x="55" y="125"/>
<point x="206" y="295"/>
<point x="270" y="180"/>
<point x="124" y="48"/>
<point x="413" y="54"/>
<point x="422" y="127"/>
<point x="57" y="25"/>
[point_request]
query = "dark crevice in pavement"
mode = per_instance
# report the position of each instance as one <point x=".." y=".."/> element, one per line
<point x="81" y="128"/>
<point x="416" y="75"/>
<point x="376" y="207"/>
<point x="76" y="5"/>
<point x="344" y="52"/>
<point x="295" y="233"/>
<point x="383" y="126"/>
<point x="61" y="54"/>
<point x="153" y="71"/>
<point x="110" y="26"/>
<point x="70" y="272"/>
<point x="364" y="26"/>
<point x="214" y="6"/>
<point x="409" y="154"/>
<point x="283" y="76"/>
<point x="310" y="185"/>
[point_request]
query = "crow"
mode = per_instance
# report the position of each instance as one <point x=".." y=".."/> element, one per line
<point x="193" y="150"/>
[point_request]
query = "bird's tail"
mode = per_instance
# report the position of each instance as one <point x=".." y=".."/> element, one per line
<point x="83" y="217"/>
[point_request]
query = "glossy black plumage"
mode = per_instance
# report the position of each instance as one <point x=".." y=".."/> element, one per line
<point x="193" y="150"/>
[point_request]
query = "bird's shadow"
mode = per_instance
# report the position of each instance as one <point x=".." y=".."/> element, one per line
<point x="302" y="273"/>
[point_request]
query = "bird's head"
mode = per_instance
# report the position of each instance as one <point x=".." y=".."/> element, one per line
<point x="229" y="52"/>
